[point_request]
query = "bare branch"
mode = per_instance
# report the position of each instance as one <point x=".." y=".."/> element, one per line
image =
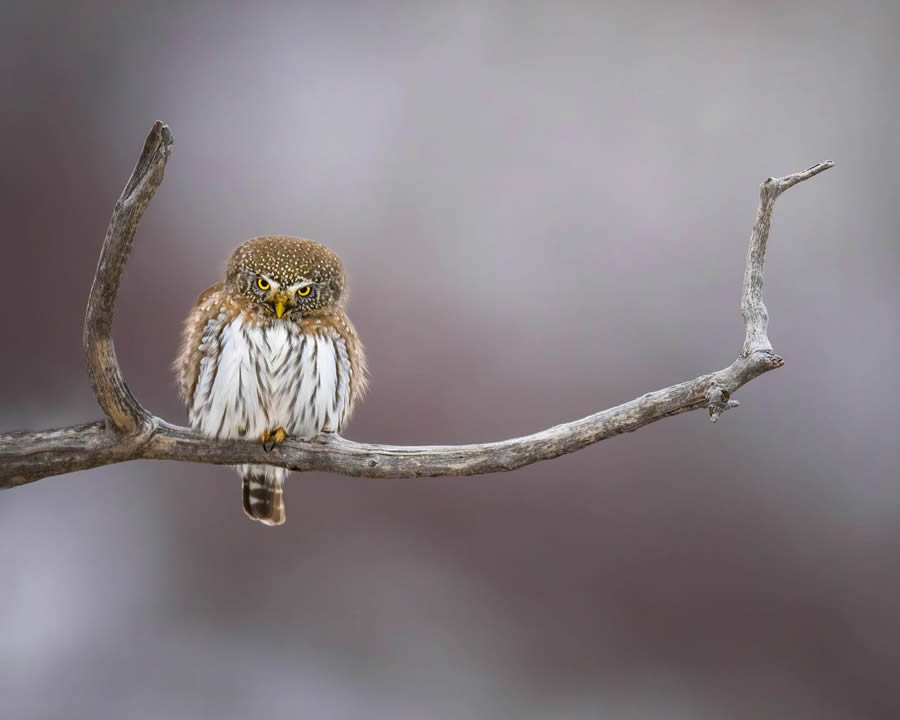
<point x="124" y="412"/>
<point x="131" y="432"/>
<point x="756" y="317"/>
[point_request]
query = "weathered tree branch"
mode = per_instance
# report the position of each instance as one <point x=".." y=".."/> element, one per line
<point x="124" y="413"/>
<point x="130" y="432"/>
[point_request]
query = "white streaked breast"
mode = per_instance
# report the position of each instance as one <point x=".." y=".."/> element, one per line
<point x="257" y="379"/>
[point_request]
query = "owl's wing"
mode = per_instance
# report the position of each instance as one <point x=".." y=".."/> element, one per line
<point x="357" y="357"/>
<point x="187" y="364"/>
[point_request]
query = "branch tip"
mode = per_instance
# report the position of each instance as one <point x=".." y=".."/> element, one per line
<point x="788" y="181"/>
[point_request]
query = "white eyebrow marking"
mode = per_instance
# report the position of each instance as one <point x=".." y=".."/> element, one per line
<point x="300" y="285"/>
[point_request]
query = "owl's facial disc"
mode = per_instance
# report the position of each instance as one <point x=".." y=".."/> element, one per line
<point x="292" y="297"/>
<point x="280" y="299"/>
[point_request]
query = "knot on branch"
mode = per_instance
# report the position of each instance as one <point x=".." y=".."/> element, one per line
<point x="769" y="189"/>
<point x="133" y="438"/>
<point x="718" y="400"/>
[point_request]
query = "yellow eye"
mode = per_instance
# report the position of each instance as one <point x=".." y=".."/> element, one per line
<point x="304" y="291"/>
<point x="262" y="284"/>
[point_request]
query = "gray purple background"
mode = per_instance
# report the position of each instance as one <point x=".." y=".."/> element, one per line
<point x="544" y="211"/>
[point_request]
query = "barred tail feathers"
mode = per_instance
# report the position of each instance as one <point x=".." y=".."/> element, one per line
<point x="264" y="493"/>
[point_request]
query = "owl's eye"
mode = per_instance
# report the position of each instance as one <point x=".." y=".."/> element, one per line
<point x="262" y="283"/>
<point x="304" y="291"/>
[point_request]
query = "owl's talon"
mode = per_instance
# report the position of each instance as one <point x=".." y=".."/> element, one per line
<point x="271" y="439"/>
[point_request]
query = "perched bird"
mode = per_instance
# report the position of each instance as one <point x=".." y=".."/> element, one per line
<point x="270" y="353"/>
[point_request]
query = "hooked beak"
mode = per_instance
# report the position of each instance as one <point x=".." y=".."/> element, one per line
<point x="279" y="307"/>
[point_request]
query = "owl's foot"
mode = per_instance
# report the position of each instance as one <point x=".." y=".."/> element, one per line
<point x="276" y="437"/>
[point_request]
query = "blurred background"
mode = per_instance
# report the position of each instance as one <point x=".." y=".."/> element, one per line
<point x="543" y="209"/>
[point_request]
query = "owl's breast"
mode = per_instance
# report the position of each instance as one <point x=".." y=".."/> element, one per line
<point x="257" y="378"/>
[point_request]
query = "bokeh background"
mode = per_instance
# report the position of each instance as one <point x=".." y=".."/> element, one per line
<point x="544" y="210"/>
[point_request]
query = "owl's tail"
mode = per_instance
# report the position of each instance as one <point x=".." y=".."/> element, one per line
<point x="264" y="493"/>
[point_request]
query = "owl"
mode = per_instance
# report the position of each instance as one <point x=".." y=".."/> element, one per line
<point x="270" y="353"/>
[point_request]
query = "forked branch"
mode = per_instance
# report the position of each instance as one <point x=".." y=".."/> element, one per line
<point x="130" y="432"/>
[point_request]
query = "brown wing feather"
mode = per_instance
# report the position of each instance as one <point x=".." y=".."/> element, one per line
<point x="187" y="364"/>
<point x="356" y="351"/>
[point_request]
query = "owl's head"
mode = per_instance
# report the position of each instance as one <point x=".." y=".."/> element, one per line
<point x="283" y="275"/>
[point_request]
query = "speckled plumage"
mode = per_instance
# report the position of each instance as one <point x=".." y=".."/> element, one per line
<point x="271" y="348"/>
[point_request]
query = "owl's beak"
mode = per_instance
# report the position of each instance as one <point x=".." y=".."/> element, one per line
<point x="279" y="307"/>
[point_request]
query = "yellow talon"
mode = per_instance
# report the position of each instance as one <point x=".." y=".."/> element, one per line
<point x="270" y="439"/>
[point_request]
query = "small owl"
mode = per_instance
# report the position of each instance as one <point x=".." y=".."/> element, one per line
<point x="270" y="353"/>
